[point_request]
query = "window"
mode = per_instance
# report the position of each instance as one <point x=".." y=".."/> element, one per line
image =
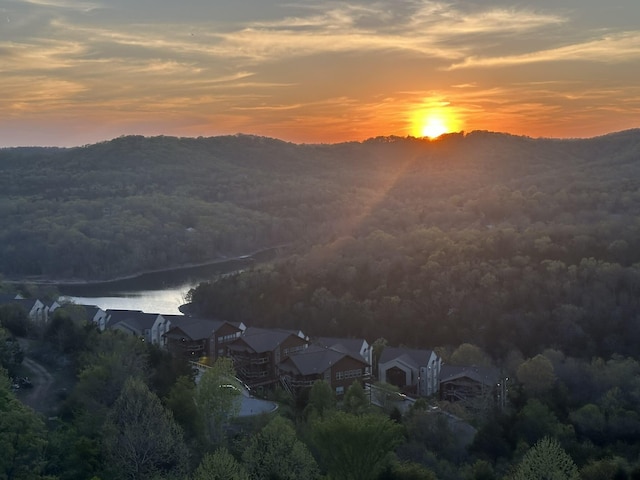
<point x="290" y="350"/>
<point x="339" y="390"/>
<point x="226" y="338"/>
<point x="356" y="373"/>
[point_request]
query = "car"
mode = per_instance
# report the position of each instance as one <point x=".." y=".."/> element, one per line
<point x="24" y="382"/>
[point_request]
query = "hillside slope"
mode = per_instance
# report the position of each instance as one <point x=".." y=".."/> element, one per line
<point x="135" y="203"/>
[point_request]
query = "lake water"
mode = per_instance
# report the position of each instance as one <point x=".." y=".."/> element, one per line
<point x="157" y="292"/>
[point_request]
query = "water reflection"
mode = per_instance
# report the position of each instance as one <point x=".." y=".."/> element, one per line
<point x="157" y="292"/>
<point x="165" y="301"/>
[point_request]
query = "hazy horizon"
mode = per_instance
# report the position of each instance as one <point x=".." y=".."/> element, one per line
<point x="241" y="134"/>
<point x="81" y="72"/>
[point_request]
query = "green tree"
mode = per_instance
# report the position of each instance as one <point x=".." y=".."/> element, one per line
<point x="181" y="400"/>
<point x="468" y="354"/>
<point x="536" y="421"/>
<point x="141" y="438"/>
<point x="396" y="470"/>
<point x="71" y="456"/>
<point x="113" y="359"/>
<point x="385" y="396"/>
<point x="220" y="465"/>
<point x="546" y="460"/>
<point x="321" y="399"/>
<point x="377" y="347"/>
<point x="355" y="400"/>
<point x="11" y="355"/>
<point x="14" y="318"/>
<point x="67" y="331"/>
<point x="590" y="421"/>
<point x="276" y="453"/>
<point x="612" y="468"/>
<point x="218" y="396"/>
<point x="536" y="375"/>
<point x="355" y="447"/>
<point x="22" y="437"/>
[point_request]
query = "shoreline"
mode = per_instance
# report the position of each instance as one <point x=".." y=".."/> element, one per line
<point x="38" y="281"/>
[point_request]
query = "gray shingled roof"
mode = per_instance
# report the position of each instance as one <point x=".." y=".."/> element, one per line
<point x="316" y="359"/>
<point x="351" y="345"/>
<point x="415" y="358"/>
<point x="90" y="310"/>
<point x="134" y="318"/>
<point x="264" y="340"/>
<point x="195" y="328"/>
<point x="485" y="375"/>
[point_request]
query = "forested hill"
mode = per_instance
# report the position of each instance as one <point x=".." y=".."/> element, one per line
<point x="134" y="203"/>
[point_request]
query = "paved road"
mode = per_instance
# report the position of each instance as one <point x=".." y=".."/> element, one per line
<point x="37" y="397"/>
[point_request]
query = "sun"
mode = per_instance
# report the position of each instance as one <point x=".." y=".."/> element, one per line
<point x="433" y="122"/>
<point x="434" y="127"/>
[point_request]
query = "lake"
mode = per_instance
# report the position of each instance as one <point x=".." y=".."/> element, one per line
<point x="156" y="292"/>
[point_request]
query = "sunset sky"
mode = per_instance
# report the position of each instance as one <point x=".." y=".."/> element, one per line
<point x="74" y="72"/>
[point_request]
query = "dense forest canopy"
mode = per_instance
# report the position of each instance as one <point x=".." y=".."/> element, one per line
<point x="135" y="203"/>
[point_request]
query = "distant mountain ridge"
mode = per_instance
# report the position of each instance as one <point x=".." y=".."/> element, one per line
<point x="140" y="203"/>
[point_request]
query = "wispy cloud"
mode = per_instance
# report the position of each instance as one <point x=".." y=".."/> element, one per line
<point x="65" y="4"/>
<point x="612" y="48"/>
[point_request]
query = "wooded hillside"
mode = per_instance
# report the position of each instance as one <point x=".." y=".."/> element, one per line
<point x="135" y="203"/>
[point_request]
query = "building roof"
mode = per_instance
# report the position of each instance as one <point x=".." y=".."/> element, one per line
<point x="194" y="328"/>
<point x="412" y="357"/>
<point x="351" y="345"/>
<point x="92" y="310"/>
<point x="134" y="318"/>
<point x="262" y="340"/>
<point x="9" y="298"/>
<point x="316" y="359"/>
<point x="485" y="375"/>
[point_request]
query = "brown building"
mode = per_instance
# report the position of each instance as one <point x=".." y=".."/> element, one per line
<point x="470" y="383"/>
<point x="336" y="366"/>
<point x="257" y="353"/>
<point x="200" y="337"/>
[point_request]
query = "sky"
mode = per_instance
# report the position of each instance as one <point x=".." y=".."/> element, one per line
<point x="75" y="72"/>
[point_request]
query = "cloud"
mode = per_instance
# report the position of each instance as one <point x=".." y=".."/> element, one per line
<point x="619" y="47"/>
<point x="79" y="5"/>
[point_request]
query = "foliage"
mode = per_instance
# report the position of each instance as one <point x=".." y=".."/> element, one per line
<point x="220" y="465"/>
<point x="321" y="399"/>
<point x="71" y="455"/>
<point x="218" y="396"/>
<point x="105" y="366"/>
<point x="15" y="319"/>
<point x="181" y="400"/>
<point x="406" y="471"/>
<point x="275" y="452"/>
<point x="355" y="446"/>
<point x="22" y="437"/>
<point x="67" y="331"/>
<point x="355" y="400"/>
<point x="536" y="375"/>
<point x="11" y="354"/>
<point x="546" y="460"/>
<point x="141" y="438"/>
<point x="467" y="354"/>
